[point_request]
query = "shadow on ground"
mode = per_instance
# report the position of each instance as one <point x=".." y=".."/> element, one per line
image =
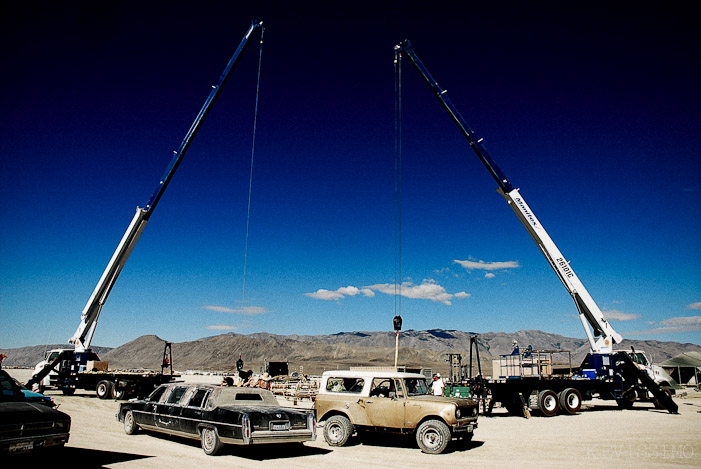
<point x="87" y="457"/>
<point x="407" y="441"/>
<point x="266" y="452"/>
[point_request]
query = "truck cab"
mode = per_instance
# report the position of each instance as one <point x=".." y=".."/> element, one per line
<point x="70" y="362"/>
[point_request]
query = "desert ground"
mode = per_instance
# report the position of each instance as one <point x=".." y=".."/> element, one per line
<point x="600" y="435"/>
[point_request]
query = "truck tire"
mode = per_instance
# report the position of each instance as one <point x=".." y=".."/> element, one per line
<point x="548" y="403"/>
<point x="433" y="436"/>
<point x="337" y="430"/>
<point x="658" y="403"/>
<point x="570" y="400"/>
<point x="130" y="426"/>
<point x="104" y="389"/>
<point x="626" y="401"/>
<point x="211" y="444"/>
<point x="118" y="394"/>
<point x="68" y="391"/>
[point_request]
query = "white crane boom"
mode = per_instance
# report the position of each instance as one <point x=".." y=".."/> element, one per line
<point x="599" y="331"/>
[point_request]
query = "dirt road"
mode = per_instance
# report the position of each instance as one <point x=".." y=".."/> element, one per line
<point x="601" y="435"/>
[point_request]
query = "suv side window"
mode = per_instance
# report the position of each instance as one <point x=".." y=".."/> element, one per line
<point x="349" y="385"/>
<point x="382" y="387"/>
<point x="399" y="388"/>
<point x="415" y="387"/>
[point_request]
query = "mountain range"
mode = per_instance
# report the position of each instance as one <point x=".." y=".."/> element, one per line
<point x="314" y="354"/>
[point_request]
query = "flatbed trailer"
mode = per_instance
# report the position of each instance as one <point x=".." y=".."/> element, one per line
<point x="548" y="395"/>
<point x="534" y="380"/>
<point x="120" y="384"/>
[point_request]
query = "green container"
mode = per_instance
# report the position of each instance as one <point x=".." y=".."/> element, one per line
<point x="457" y="391"/>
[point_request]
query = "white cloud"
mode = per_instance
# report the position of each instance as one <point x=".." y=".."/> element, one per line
<point x="489" y="275"/>
<point x="684" y="321"/>
<point x="322" y="294"/>
<point x="246" y="310"/>
<point x="428" y="290"/>
<point x="490" y="266"/>
<point x="618" y="315"/>
<point x="694" y="305"/>
<point x="677" y="324"/>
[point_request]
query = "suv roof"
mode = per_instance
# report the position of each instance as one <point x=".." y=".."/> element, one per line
<point x="371" y="373"/>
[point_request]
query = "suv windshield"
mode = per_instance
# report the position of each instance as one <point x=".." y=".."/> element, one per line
<point x="415" y="386"/>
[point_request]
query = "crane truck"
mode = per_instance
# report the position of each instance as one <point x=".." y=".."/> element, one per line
<point x="620" y="375"/>
<point x="79" y="367"/>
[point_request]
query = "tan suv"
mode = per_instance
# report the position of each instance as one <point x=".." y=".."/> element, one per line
<point x="350" y="401"/>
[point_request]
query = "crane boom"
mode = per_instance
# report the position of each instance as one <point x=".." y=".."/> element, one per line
<point x="599" y="331"/>
<point x="91" y="313"/>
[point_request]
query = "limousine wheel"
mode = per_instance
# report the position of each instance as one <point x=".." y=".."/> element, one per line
<point x="211" y="444"/>
<point x="130" y="427"/>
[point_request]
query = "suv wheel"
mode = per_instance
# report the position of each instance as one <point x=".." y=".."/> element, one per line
<point x="433" y="436"/>
<point x="337" y="430"/>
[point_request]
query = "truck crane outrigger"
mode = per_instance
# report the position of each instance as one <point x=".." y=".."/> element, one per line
<point x="72" y="359"/>
<point x="629" y="379"/>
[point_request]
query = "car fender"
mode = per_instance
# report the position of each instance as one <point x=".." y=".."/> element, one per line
<point x="331" y="413"/>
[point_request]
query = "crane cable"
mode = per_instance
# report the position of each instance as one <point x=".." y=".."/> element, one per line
<point x="397" y="183"/>
<point x="250" y="181"/>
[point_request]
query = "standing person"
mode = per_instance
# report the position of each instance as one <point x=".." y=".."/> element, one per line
<point x="437" y="386"/>
<point x="239" y="364"/>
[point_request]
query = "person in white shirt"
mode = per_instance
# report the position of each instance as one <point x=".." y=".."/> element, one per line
<point x="437" y="386"/>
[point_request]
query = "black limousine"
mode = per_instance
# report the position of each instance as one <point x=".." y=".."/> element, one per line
<point x="218" y="415"/>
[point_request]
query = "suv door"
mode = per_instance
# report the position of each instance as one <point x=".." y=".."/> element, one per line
<point x="385" y="407"/>
<point x="345" y="394"/>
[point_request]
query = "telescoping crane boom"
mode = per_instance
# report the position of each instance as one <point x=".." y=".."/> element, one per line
<point x="91" y="313"/>
<point x="599" y="331"/>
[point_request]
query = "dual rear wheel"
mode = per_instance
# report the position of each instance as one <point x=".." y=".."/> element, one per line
<point x="106" y="389"/>
<point x="568" y="400"/>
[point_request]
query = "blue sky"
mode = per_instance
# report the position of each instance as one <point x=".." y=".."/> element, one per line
<point x="592" y="111"/>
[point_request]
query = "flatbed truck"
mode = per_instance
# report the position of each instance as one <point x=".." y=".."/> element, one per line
<point x="71" y="370"/>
